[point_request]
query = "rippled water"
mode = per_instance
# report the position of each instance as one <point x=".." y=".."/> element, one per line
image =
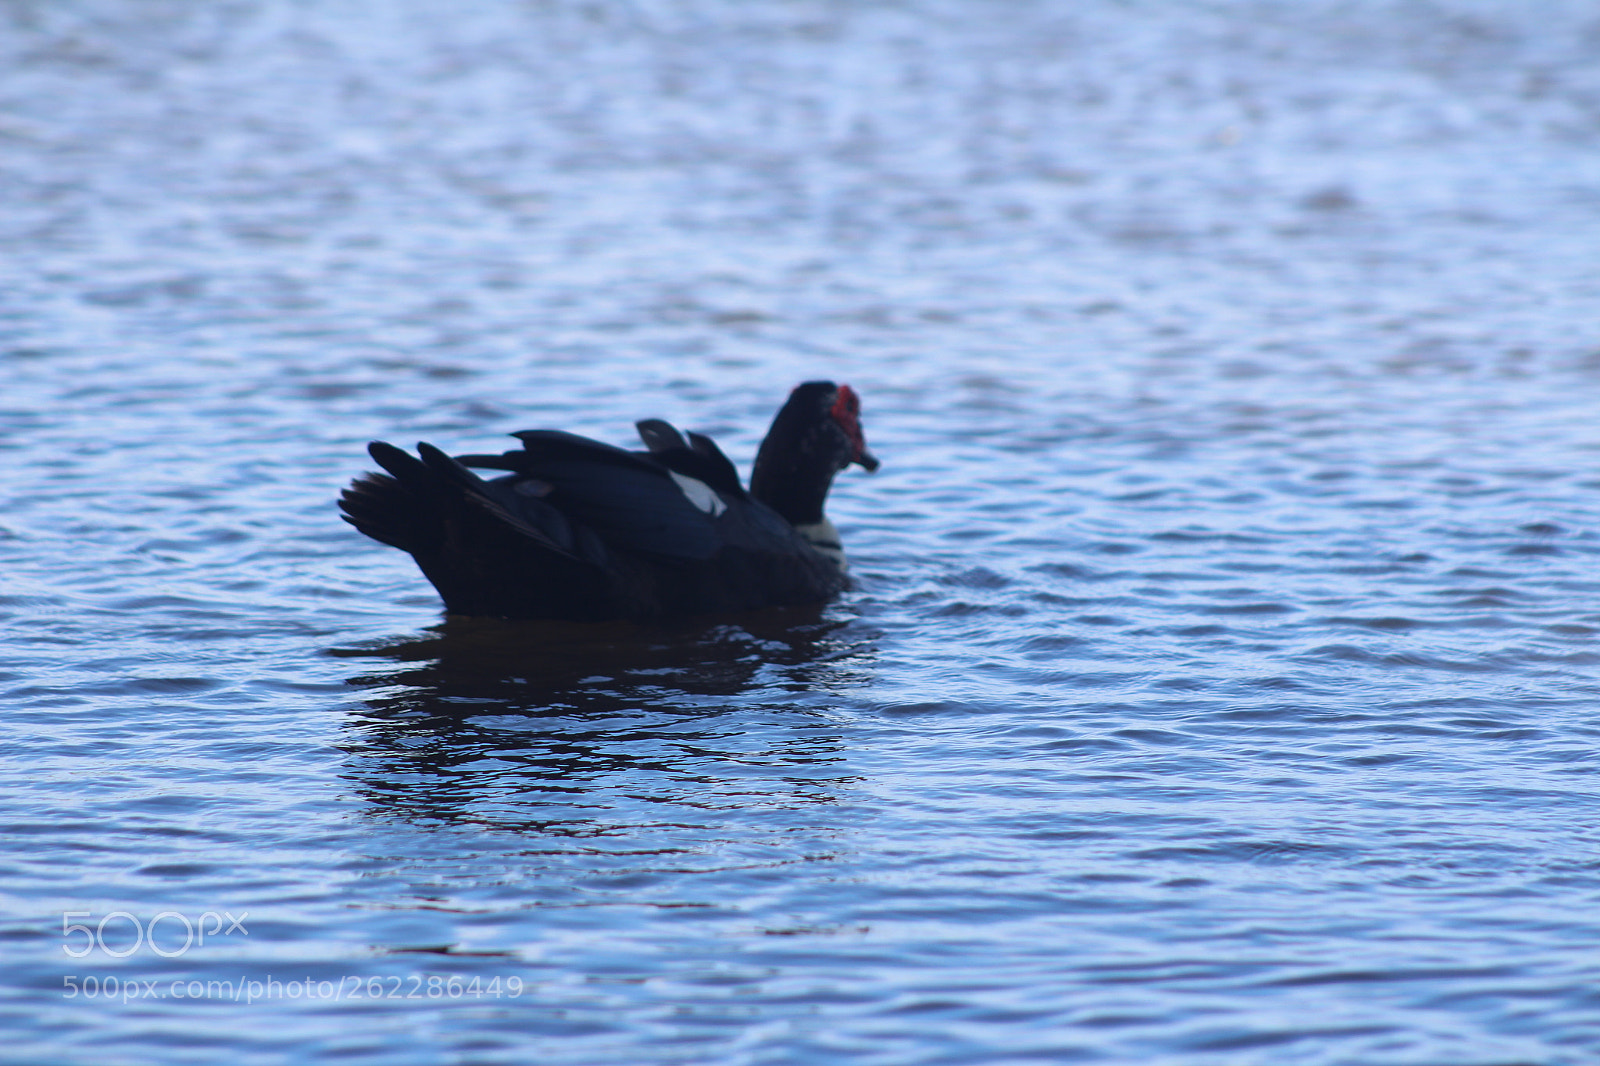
<point x="1222" y="686"/>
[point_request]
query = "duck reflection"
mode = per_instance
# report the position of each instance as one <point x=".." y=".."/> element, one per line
<point x="584" y="730"/>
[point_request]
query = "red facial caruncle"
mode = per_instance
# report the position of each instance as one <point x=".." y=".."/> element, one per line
<point x="846" y="412"/>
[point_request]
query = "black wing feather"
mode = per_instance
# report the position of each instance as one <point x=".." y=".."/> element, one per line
<point x="484" y="557"/>
<point x="721" y="473"/>
<point x="627" y="499"/>
<point x="660" y="436"/>
<point x="697" y="457"/>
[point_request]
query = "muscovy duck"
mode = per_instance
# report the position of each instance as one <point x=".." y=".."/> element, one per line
<point x="578" y="530"/>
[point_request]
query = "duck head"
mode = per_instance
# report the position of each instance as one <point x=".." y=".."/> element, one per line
<point x="816" y="434"/>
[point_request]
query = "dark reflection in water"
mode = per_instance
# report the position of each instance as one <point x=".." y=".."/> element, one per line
<point x="477" y="666"/>
<point x="580" y="730"/>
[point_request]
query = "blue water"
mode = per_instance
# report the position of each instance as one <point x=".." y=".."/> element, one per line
<point x="1222" y="685"/>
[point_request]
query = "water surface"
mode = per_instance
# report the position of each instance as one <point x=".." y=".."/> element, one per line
<point x="1221" y="686"/>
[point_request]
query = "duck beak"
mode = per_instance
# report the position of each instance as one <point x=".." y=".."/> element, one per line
<point x="846" y="414"/>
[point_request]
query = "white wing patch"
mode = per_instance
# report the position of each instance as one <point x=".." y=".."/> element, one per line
<point x="700" y="494"/>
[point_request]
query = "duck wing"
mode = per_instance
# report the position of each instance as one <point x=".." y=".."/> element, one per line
<point x="695" y="455"/>
<point x="488" y="550"/>
<point x="632" y="502"/>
